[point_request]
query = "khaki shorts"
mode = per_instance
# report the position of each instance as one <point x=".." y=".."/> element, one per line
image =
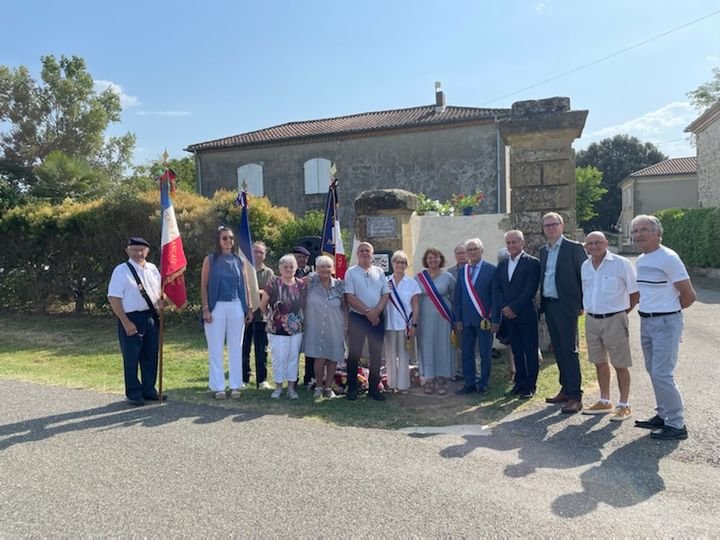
<point x="608" y="337"/>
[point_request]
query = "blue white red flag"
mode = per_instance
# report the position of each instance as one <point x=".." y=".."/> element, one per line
<point x="172" y="257"/>
<point x="331" y="243"/>
<point x="245" y="240"/>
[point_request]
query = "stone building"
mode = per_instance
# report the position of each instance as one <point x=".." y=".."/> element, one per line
<point x="672" y="183"/>
<point x="435" y="149"/>
<point x="707" y="136"/>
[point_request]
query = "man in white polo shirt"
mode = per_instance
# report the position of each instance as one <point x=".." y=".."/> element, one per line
<point x="610" y="292"/>
<point x="665" y="290"/>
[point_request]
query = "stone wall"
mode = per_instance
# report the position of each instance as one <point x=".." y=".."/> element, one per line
<point x="708" y="153"/>
<point x="437" y="162"/>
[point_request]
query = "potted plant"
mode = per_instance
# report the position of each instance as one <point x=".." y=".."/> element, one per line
<point x="466" y="203"/>
<point x="427" y="206"/>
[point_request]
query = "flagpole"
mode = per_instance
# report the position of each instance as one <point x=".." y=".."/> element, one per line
<point x="161" y="337"/>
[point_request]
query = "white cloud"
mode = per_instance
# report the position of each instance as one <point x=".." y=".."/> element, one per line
<point x="539" y="7"/>
<point x="125" y="99"/>
<point x="663" y="127"/>
<point x="711" y="58"/>
<point x="164" y="113"/>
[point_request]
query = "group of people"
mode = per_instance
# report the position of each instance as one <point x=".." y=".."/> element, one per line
<point x="448" y="313"/>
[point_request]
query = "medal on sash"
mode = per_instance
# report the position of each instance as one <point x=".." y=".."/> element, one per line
<point x="485" y="323"/>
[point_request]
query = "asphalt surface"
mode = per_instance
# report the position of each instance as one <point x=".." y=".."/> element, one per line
<point x="75" y="462"/>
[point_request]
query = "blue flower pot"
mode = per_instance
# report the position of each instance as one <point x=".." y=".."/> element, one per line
<point x="467" y="211"/>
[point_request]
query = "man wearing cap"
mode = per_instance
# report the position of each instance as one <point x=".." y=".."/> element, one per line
<point x="665" y="290"/>
<point x="301" y="256"/>
<point x="135" y="296"/>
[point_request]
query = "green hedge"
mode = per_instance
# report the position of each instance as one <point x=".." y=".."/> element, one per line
<point x="692" y="234"/>
<point x="64" y="254"/>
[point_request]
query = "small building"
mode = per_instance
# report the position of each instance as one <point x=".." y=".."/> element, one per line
<point x="435" y="149"/>
<point x="707" y="138"/>
<point x="672" y="183"/>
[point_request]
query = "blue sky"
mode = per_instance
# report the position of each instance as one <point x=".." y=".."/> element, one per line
<point x="190" y="71"/>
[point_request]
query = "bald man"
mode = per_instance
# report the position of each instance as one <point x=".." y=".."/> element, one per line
<point x="610" y="292"/>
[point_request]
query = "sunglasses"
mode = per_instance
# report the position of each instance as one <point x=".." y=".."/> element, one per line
<point x="225" y="238"/>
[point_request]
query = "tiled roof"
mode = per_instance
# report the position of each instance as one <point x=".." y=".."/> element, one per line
<point x="396" y="119"/>
<point x="682" y="165"/>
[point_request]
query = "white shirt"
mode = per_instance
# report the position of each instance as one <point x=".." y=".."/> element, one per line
<point x="123" y="285"/>
<point x="512" y="264"/>
<point x="368" y="285"/>
<point x="407" y="288"/>
<point x="607" y="289"/>
<point x="657" y="272"/>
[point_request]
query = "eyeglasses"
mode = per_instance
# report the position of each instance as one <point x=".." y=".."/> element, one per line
<point x="400" y="262"/>
<point x="226" y="238"/>
<point x="551" y="225"/>
<point x="472" y="249"/>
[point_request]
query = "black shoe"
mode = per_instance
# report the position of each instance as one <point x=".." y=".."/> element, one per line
<point x="138" y="402"/>
<point x="668" y="433"/>
<point x="482" y="390"/>
<point x="466" y="390"/>
<point x="156" y="397"/>
<point x="526" y="394"/>
<point x="377" y="396"/>
<point x="351" y="395"/>
<point x="652" y="423"/>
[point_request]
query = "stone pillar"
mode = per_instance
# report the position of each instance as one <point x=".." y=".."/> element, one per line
<point x="382" y="217"/>
<point x="542" y="163"/>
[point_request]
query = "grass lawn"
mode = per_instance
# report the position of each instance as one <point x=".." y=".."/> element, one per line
<point x="84" y="353"/>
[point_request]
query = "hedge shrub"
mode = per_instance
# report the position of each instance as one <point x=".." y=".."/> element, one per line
<point x="692" y="234"/>
<point x="66" y="253"/>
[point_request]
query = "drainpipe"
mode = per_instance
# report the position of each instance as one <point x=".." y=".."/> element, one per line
<point x="198" y="172"/>
<point x="497" y="160"/>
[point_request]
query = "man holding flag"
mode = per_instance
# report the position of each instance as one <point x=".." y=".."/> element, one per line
<point x="332" y="244"/>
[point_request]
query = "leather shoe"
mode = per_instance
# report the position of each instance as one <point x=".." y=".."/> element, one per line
<point x="137" y="402"/>
<point x="573" y="406"/>
<point x="156" y="397"/>
<point x="351" y="395"/>
<point x="651" y="423"/>
<point x="668" y="433"/>
<point x="482" y="390"/>
<point x="526" y="394"/>
<point x="377" y="396"/>
<point x="560" y="398"/>
<point x="465" y="390"/>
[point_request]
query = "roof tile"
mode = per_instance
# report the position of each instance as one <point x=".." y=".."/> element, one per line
<point x="683" y="165"/>
<point x="353" y="124"/>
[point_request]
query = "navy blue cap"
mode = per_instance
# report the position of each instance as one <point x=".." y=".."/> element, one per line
<point x="137" y="241"/>
<point x="301" y="250"/>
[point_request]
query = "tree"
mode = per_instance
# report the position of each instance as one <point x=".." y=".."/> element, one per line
<point x="707" y="94"/>
<point x="589" y="192"/>
<point x="616" y="158"/>
<point x="184" y="168"/>
<point x="60" y="176"/>
<point x="62" y="112"/>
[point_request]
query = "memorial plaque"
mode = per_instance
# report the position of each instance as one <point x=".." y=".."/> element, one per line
<point x="383" y="261"/>
<point x="381" y="227"/>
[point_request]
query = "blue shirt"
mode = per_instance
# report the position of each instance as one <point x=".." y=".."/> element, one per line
<point x="549" y="287"/>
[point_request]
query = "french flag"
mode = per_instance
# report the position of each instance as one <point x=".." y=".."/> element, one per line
<point x="172" y="257"/>
<point x="331" y="243"/>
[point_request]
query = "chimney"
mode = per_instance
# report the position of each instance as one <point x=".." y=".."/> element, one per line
<point x="439" y="97"/>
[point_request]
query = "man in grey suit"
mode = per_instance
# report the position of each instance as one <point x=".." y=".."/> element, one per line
<point x="561" y="301"/>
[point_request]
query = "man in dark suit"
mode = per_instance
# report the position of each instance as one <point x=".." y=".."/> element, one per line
<point x="561" y="301"/>
<point x="516" y="282"/>
<point x="475" y="319"/>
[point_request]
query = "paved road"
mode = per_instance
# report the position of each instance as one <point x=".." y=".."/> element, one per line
<point x="74" y="462"/>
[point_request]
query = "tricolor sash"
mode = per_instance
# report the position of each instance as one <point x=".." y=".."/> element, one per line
<point x="398" y="303"/>
<point x="474" y="296"/>
<point x="434" y="296"/>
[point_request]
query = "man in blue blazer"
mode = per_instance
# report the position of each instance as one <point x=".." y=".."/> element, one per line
<point x="561" y="301"/>
<point x="475" y="317"/>
<point x="516" y="282"/>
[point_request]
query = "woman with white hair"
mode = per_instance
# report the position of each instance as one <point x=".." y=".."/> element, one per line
<point x="401" y="317"/>
<point x="325" y="322"/>
<point x="283" y="302"/>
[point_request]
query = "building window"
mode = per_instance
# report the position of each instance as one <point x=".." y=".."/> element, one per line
<point x="252" y="175"/>
<point x="317" y="175"/>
